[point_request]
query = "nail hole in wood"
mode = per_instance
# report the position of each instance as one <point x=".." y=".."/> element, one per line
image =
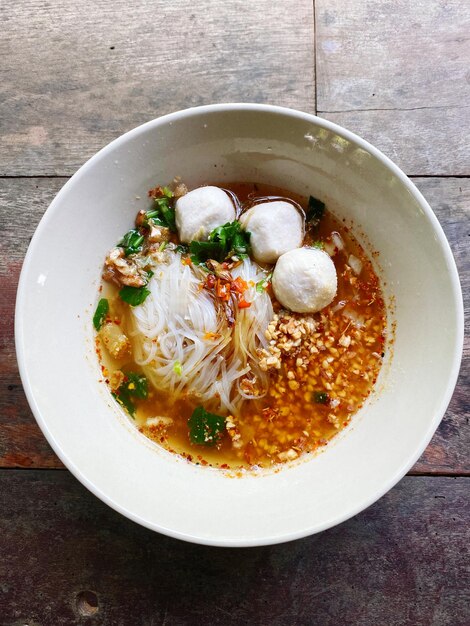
<point x="87" y="603"/>
<point x="111" y="47"/>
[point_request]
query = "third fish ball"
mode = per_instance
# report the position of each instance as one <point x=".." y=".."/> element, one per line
<point x="304" y="280"/>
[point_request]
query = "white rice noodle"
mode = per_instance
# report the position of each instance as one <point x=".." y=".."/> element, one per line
<point x="250" y="326"/>
<point x="182" y="323"/>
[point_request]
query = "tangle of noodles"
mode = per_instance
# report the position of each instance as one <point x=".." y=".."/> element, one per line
<point x="184" y="344"/>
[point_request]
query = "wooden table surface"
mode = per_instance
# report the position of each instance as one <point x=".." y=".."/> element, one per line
<point x="75" y="76"/>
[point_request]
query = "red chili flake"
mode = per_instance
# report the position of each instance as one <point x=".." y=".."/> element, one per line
<point x="239" y="285"/>
<point x="223" y="290"/>
<point x="210" y="281"/>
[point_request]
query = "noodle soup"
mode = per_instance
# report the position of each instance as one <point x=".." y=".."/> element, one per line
<point x="219" y="344"/>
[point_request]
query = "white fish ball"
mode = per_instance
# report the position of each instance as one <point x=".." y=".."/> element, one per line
<point x="275" y="228"/>
<point x="304" y="280"/>
<point x="200" y="211"/>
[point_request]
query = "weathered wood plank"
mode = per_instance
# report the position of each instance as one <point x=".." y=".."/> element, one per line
<point x="22" y="202"/>
<point x="421" y="142"/>
<point x="400" y="55"/>
<point x="449" y="448"/>
<point x="64" y="554"/>
<point x="397" y="74"/>
<point x="76" y="75"/>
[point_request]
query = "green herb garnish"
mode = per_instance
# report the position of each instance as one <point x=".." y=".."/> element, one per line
<point x="318" y="244"/>
<point x="262" y="285"/>
<point x="100" y="313"/>
<point x="315" y="211"/>
<point x="162" y="213"/>
<point x="131" y="242"/>
<point x="182" y="248"/>
<point x="321" y="397"/>
<point x="135" y="386"/>
<point x="224" y="241"/>
<point x="124" y="400"/>
<point x="201" y="251"/>
<point x="205" y="428"/>
<point x="178" y="368"/>
<point x="133" y="295"/>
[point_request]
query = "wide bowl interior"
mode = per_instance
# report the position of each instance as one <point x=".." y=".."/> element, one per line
<point x="58" y="291"/>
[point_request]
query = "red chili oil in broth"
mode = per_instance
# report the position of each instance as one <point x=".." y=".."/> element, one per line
<point x="290" y="420"/>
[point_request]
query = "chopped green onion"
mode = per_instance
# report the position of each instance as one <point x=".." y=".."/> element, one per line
<point x="224" y="241"/>
<point x="163" y="246"/>
<point x="178" y="368"/>
<point x="318" y="244"/>
<point x="131" y="242"/>
<point x="100" y="313"/>
<point x="182" y="248"/>
<point x="164" y="213"/>
<point x="205" y="428"/>
<point x="263" y="284"/>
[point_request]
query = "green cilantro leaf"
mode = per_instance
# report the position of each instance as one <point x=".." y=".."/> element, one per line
<point x="133" y="295"/>
<point x="100" y="313"/>
<point x="124" y="400"/>
<point x="205" y="428"/>
<point x="135" y="386"/>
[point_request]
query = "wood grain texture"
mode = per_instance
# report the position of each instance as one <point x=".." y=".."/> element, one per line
<point x="397" y="73"/>
<point x="76" y="75"/>
<point x="450" y="200"/>
<point x="400" y="562"/>
<point x="421" y="142"/>
<point x="22" y="203"/>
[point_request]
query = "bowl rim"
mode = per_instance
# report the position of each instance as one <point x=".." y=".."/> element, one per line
<point x="435" y="418"/>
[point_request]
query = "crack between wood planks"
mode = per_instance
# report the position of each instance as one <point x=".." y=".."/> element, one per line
<point x="315" y="79"/>
<point x="447" y="107"/>
<point x="67" y="177"/>
<point x="26" y="176"/>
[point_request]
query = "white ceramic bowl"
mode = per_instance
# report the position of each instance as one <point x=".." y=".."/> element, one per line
<point x="58" y="290"/>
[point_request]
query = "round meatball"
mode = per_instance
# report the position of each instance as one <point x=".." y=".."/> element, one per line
<point x="275" y="228"/>
<point x="304" y="280"/>
<point x="200" y="211"/>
